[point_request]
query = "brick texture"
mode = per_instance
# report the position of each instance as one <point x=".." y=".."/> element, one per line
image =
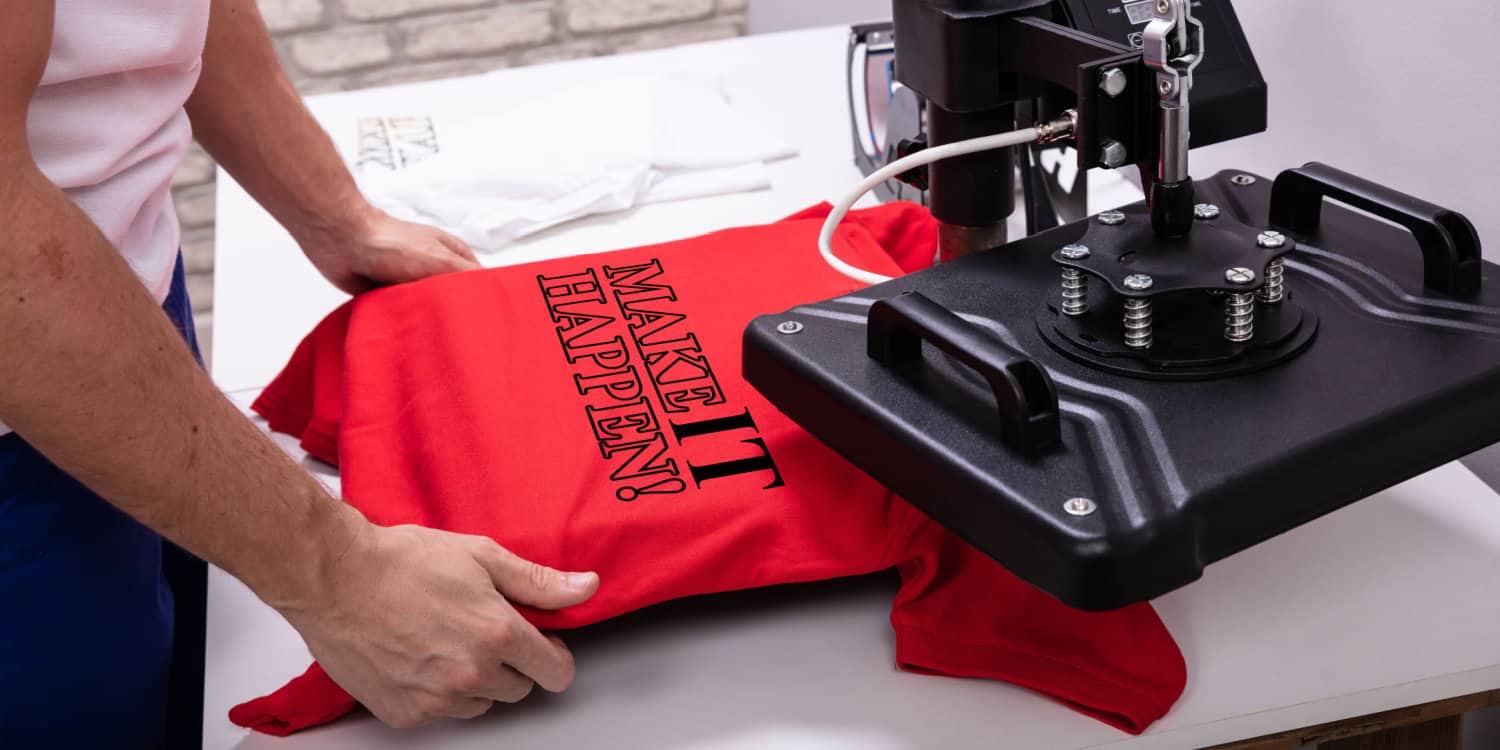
<point x="611" y="15"/>
<point x="335" y="45"/>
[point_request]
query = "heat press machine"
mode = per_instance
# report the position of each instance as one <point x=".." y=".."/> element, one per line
<point x="1110" y="404"/>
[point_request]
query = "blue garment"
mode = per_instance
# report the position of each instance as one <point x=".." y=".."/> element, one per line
<point x="86" y="609"/>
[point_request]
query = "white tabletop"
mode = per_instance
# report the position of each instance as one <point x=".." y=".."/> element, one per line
<point x="1387" y="603"/>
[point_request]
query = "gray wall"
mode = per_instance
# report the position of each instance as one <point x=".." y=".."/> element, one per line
<point x="781" y="15"/>
<point x="1405" y="93"/>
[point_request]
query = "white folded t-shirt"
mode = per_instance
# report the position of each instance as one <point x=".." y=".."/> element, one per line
<point x="608" y="146"/>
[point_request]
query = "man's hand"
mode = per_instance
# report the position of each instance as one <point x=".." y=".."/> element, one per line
<point x="415" y="625"/>
<point x="375" y="250"/>
<point x="243" y="94"/>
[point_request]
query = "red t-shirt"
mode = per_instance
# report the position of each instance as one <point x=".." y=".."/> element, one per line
<point x="588" y="414"/>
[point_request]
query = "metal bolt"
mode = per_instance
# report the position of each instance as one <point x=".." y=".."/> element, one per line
<point x="1113" y="82"/>
<point x="1075" y="252"/>
<point x="1163" y="7"/>
<point x="1113" y="154"/>
<point x="1080" y="506"/>
<point x="1206" y="211"/>
<point x="1166" y="86"/>
<point x="1271" y="240"/>
<point x="1240" y="275"/>
<point x="1138" y="282"/>
<point x="1243" y="180"/>
<point x="1112" y="218"/>
<point x="790" y="328"/>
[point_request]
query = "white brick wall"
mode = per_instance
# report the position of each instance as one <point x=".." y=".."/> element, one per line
<point x="331" y="45"/>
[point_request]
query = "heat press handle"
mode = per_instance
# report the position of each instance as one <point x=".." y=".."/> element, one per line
<point x="1450" y="246"/>
<point x="1024" y="392"/>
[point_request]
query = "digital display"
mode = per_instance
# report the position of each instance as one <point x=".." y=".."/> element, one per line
<point x="1141" y="12"/>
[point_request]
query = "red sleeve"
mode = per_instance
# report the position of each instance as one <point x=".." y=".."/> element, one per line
<point x="961" y="614"/>
<point x="905" y="230"/>
<point x="306" y="399"/>
<point x="307" y="701"/>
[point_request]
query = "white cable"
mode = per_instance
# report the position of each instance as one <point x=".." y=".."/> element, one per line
<point x="889" y="171"/>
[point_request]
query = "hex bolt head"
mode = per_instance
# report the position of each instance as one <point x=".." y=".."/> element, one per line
<point x="1112" y="218"/>
<point x="1243" y="180"/>
<point x="1113" y="154"/>
<point x="1113" y="82"/>
<point x="1240" y="275"/>
<point x="1206" y="211"/>
<point x="1271" y="240"/>
<point x="1080" y="506"/>
<point x="790" y="328"/>
<point x="1139" y="282"/>
<point x="1074" y="252"/>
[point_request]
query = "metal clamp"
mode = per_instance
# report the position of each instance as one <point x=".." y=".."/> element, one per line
<point x="1174" y="48"/>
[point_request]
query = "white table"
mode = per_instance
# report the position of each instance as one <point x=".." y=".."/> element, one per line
<point x="1385" y="604"/>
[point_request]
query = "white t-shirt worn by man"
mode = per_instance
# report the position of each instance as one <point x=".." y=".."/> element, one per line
<point x="107" y="123"/>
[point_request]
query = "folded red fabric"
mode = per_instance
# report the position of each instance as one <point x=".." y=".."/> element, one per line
<point x="588" y="413"/>
<point x="308" y="701"/>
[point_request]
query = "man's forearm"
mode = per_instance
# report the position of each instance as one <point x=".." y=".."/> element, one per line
<point x="97" y="379"/>
<point x="413" y="622"/>
<point x="249" y="117"/>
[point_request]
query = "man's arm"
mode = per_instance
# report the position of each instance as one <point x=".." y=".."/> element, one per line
<point x="94" y="376"/>
<point x="249" y="117"/>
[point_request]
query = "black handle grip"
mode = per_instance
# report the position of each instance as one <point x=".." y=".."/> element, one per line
<point x="1024" y="392"/>
<point x="1451" y="251"/>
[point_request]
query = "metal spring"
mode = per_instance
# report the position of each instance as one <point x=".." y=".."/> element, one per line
<point x="1138" y="323"/>
<point x="1239" y="317"/>
<point x="1075" y="292"/>
<point x="1275" y="289"/>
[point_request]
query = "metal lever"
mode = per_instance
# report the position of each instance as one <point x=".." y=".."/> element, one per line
<point x="1024" y="392"/>
<point x="1173" y="48"/>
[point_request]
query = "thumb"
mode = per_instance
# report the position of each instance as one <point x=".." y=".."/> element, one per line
<point x="444" y="259"/>
<point x="429" y="261"/>
<point x="460" y="247"/>
<point x="532" y="584"/>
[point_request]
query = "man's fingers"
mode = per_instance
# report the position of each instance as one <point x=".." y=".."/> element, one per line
<point x="459" y="246"/>
<point x="469" y="708"/>
<point x="532" y="584"/>
<point x="353" y="284"/>
<point x="452" y="260"/>
<point x="519" y="645"/>
<point x="507" y="686"/>
<point x="440" y="259"/>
